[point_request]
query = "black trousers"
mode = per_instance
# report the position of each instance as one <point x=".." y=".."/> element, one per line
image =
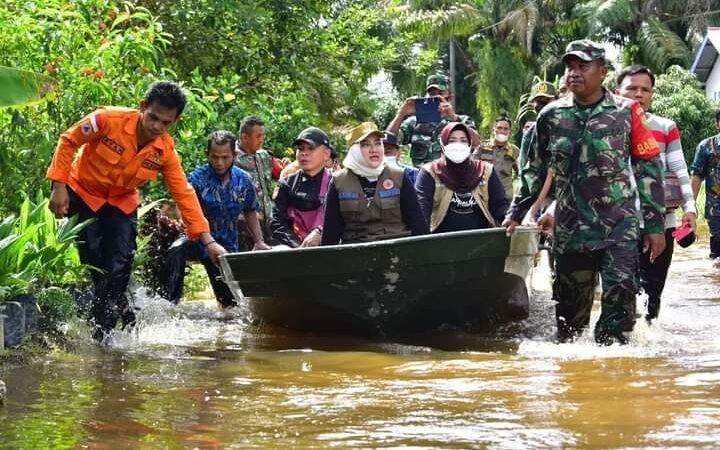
<point x="172" y="275"/>
<point x="108" y="245"/>
<point x="714" y="225"/>
<point x="653" y="275"/>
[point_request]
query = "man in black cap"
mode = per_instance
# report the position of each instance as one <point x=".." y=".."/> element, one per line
<point x="424" y="137"/>
<point x="300" y="202"/>
<point x="393" y="154"/>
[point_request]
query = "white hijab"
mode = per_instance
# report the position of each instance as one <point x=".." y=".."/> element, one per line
<point x="355" y="161"/>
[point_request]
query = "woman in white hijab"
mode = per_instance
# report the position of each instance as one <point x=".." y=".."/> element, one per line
<point x="369" y="200"/>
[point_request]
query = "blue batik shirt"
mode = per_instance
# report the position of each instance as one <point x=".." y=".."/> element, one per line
<point x="222" y="205"/>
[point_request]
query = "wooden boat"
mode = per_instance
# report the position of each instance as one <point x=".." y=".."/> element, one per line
<point x="464" y="279"/>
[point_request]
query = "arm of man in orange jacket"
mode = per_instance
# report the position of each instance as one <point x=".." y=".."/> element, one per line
<point x="184" y="196"/>
<point x="91" y="128"/>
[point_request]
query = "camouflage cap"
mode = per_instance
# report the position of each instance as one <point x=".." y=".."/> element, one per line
<point x="584" y="49"/>
<point x="362" y="132"/>
<point x="439" y="81"/>
<point x="543" y="89"/>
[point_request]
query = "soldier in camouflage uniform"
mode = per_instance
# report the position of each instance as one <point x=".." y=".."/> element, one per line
<point x="257" y="162"/>
<point x="595" y="142"/>
<point x="541" y="94"/>
<point x="706" y="167"/>
<point x="424" y="138"/>
<point x="501" y="154"/>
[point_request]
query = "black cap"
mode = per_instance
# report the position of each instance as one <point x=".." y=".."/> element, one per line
<point x="313" y="136"/>
<point x="389" y="138"/>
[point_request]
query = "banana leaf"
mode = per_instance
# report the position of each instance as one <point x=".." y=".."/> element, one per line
<point x="20" y="87"/>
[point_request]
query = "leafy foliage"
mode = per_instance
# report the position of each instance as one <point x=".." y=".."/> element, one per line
<point x="500" y="80"/>
<point x="20" y="87"/>
<point x="601" y="14"/>
<point x="437" y="25"/>
<point x="679" y="96"/>
<point x="56" y="305"/>
<point x="36" y="250"/>
<point x="637" y="26"/>
<point x="293" y="64"/>
<point x="98" y="53"/>
<point x="659" y="47"/>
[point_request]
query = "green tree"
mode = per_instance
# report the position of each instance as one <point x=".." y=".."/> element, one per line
<point x="505" y="43"/>
<point x="640" y="28"/>
<point x="98" y="53"/>
<point x="679" y="96"/>
<point x="324" y="50"/>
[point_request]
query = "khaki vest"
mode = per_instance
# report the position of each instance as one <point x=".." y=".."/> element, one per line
<point x="377" y="218"/>
<point x="443" y="196"/>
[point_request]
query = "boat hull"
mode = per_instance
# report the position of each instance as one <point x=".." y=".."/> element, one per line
<point x="465" y="279"/>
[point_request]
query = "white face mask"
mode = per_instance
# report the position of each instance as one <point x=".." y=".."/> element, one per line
<point x="457" y="152"/>
<point x="391" y="160"/>
<point x="501" y="138"/>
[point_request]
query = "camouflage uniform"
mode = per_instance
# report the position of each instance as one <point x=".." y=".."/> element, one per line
<point x="259" y="167"/>
<point x="525" y="145"/>
<point x="504" y="159"/>
<point x="594" y="153"/>
<point x="539" y="89"/>
<point x="706" y="165"/>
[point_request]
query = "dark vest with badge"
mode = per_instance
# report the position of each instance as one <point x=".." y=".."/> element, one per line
<point x="377" y="218"/>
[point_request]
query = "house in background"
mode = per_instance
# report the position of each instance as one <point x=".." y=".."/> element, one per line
<point x="706" y="65"/>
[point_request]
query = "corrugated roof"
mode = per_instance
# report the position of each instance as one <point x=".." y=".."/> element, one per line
<point x="707" y="54"/>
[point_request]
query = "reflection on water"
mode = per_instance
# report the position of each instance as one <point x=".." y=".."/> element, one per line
<point x="192" y="377"/>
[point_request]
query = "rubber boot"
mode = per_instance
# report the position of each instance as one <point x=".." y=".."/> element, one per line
<point x="653" y="308"/>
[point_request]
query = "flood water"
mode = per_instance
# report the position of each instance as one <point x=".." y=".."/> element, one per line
<point x="189" y="377"/>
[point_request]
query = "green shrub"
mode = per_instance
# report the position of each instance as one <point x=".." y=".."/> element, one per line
<point x="36" y="250"/>
<point x="56" y="304"/>
<point x="679" y="96"/>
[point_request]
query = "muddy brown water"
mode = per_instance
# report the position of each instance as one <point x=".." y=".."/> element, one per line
<point x="189" y="378"/>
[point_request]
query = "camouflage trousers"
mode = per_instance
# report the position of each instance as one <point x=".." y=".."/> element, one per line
<point x="576" y="276"/>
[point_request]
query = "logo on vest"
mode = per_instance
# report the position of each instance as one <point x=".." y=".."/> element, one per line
<point x="348" y="195"/>
<point x="112" y="145"/>
<point x="153" y="162"/>
<point x="388" y="184"/>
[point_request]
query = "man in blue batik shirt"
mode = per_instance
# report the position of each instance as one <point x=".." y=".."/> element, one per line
<point x="225" y="192"/>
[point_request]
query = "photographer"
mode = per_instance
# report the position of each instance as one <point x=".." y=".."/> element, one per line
<point x="421" y="129"/>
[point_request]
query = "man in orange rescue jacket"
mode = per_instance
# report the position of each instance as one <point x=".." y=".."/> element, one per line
<point x="120" y="149"/>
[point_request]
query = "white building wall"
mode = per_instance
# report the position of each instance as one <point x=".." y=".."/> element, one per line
<point x="712" y="85"/>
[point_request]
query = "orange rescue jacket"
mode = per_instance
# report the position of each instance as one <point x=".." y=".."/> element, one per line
<point x="110" y="167"/>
